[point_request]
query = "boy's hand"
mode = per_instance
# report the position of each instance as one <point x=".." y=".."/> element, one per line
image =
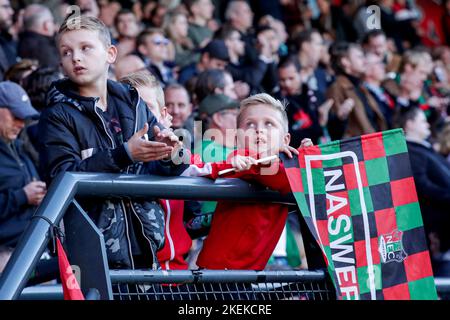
<point x="241" y="163"/>
<point x="307" y="142"/>
<point x="166" y="136"/>
<point x="143" y="150"/>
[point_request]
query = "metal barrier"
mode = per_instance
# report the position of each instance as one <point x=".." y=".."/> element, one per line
<point x="221" y="285"/>
<point x="60" y="197"/>
<point x="155" y="285"/>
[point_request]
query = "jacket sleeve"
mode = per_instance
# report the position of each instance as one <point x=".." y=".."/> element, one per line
<point x="12" y="202"/>
<point x="273" y="177"/>
<point x="60" y="150"/>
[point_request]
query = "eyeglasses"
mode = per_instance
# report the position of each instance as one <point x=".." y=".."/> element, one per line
<point x="160" y="42"/>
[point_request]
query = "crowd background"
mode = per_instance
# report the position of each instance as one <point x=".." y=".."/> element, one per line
<point x="338" y="75"/>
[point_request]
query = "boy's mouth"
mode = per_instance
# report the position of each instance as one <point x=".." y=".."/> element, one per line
<point x="78" y="69"/>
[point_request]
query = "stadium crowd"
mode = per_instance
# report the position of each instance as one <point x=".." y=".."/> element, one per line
<point x="194" y="70"/>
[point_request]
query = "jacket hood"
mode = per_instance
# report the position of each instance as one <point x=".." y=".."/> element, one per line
<point x="64" y="91"/>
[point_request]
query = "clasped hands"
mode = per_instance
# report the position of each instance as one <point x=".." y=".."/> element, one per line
<point x="142" y="149"/>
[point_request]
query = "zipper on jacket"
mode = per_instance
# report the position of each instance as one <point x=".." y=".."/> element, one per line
<point x="169" y="237"/>
<point x="154" y="265"/>
<point x="104" y="125"/>
<point x="113" y="144"/>
<point x="128" y="235"/>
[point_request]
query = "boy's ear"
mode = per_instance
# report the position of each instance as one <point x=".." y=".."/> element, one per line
<point x="287" y="138"/>
<point x="112" y="54"/>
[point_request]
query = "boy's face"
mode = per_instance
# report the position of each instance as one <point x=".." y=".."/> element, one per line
<point x="261" y="129"/>
<point x="149" y="96"/>
<point x="84" y="57"/>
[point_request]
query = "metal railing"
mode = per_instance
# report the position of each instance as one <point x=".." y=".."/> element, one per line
<point x="68" y="185"/>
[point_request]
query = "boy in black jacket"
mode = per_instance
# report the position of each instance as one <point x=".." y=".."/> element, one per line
<point x="96" y="125"/>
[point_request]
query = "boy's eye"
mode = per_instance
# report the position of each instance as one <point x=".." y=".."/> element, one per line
<point x="66" y="53"/>
<point x="250" y="125"/>
<point x="84" y="48"/>
<point x="269" y="123"/>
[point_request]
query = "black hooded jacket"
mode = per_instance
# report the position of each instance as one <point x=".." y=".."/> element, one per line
<point x="74" y="137"/>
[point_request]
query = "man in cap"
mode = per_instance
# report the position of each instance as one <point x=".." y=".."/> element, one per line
<point x="214" y="56"/>
<point x="219" y="114"/>
<point x="21" y="190"/>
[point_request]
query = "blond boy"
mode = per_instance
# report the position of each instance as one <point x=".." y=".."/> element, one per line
<point x="97" y="125"/>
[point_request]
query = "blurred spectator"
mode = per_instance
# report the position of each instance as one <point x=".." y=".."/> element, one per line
<point x="310" y="47"/>
<point x="37" y="85"/>
<point x="408" y="86"/>
<point x="153" y="47"/>
<point x="181" y="47"/>
<point x="179" y="107"/>
<point x="280" y="31"/>
<point x="214" y="81"/>
<point x="19" y="71"/>
<point x="108" y="11"/>
<point x="128" y="28"/>
<point x="250" y="71"/>
<point x="8" y="47"/>
<point x="201" y="11"/>
<point x="37" y="41"/>
<point x="20" y="189"/>
<point x="355" y="111"/>
<point x="401" y="30"/>
<point x="432" y="178"/>
<point x="213" y="56"/>
<point x="157" y="15"/>
<point x="88" y="7"/>
<point x="307" y="117"/>
<point x="128" y="64"/>
<point x="374" y="76"/>
<point x="219" y="114"/>
<point x="375" y="42"/>
<point x="239" y="16"/>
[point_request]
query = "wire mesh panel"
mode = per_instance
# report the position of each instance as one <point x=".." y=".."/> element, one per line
<point x="212" y="285"/>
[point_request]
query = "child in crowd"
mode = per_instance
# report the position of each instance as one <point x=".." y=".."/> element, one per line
<point x="96" y="125"/>
<point x="244" y="235"/>
<point x="152" y="93"/>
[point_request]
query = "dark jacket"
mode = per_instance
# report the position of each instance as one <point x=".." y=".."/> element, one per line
<point x="8" y="53"/>
<point x="366" y="117"/>
<point x="74" y="138"/>
<point x="15" y="173"/>
<point x="35" y="46"/>
<point x="432" y="178"/>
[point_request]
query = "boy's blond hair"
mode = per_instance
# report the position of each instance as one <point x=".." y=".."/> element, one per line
<point x="90" y="23"/>
<point x="267" y="100"/>
<point x="146" y="79"/>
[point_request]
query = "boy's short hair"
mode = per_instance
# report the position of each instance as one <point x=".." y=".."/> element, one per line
<point x="268" y="100"/>
<point x="145" y="79"/>
<point x="87" y="23"/>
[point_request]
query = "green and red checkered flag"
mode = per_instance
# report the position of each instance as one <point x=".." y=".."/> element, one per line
<point x="359" y="200"/>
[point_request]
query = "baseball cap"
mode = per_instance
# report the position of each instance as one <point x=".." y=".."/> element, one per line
<point x="217" y="49"/>
<point x="217" y="102"/>
<point x="14" y="98"/>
